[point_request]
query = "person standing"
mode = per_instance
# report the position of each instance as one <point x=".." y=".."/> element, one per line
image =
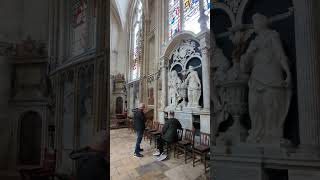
<point x="169" y="135"/>
<point x="139" y="126"/>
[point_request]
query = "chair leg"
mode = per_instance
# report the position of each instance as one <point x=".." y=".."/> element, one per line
<point x="205" y="163"/>
<point x="185" y="155"/>
<point x="193" y="158"/>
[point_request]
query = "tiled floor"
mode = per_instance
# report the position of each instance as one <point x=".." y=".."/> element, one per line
<point x="124" y="166"/>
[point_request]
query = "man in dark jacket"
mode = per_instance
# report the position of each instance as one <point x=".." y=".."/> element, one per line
<point x="169" y="135"/>
<point x="91" y="161"/>
<point x="139" y="126"/>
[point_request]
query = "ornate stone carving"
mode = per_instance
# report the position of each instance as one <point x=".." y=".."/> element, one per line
<point x="269" y="84"/>
<point x="174" y="86"/>
<point x="233" y="5"/>
<point x="194" y="87"/>
<point x="186" y="49"/>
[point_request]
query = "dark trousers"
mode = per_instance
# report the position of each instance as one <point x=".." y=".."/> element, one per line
<point x="139" y="139"/>
<point x="160" y="143"/>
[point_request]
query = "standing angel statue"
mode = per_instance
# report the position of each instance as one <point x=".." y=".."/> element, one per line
<point x="269" y="83"/>
<point x="174" y="85"/>
<point x="194" y="87"/>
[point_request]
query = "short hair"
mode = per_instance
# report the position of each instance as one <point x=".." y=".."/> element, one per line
<point x="141" y="105"/>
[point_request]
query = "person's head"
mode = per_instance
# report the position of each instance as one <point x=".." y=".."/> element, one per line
<point x="171" y="114"/>
<point x="141" y="106"/>
<point x="99" y="142"/>
<point x="260" y="22"/>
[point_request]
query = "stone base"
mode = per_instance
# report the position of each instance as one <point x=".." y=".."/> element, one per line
<point x="304" y="174"/>
<point x="246" y="162"/>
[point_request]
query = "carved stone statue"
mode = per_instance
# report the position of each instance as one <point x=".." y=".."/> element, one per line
<point x="194" y="87"/>
<point x="174" y="85"/>
<point x="269" y="83"/>
<point x="220" y="67"/>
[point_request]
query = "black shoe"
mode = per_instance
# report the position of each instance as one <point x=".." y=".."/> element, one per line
<point x="140" y="149"/>
<point x="138" y="155"/>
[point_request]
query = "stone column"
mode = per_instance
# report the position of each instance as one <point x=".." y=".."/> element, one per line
<point x="204" y="38"/>
<point x="164" y="79"/>
<point x="308" y="80"/>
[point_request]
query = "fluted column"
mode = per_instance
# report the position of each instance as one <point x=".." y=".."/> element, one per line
<point x="204" y="38"/>
<point x="308" y="79"/>
<point x="164" y="79"/>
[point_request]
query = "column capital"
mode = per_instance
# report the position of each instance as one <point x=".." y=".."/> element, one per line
<point x="163" y="60"/>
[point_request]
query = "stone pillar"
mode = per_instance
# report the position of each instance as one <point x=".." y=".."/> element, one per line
<point x="6" y="128"/>
<point x="203" y="17"/>
<point x="308" y="80"/>
<point x="204" y="38"/>
<point x="164" y="79"/>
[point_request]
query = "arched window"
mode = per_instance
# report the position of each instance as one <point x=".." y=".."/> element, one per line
<point x="184" y="15"/>
<point x="136" y="40"/>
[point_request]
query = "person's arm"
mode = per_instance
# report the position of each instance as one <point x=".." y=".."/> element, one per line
<point x="165" y="127"/>
<point x="178" y="124"/>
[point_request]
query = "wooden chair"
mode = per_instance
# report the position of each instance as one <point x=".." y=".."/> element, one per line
<point x="155" y="134"/>
<point x="46" y="171"/>
<point x="185" y="145"/>
<point x="170" y="146"/>
<point x="154" y="127"/>
<point x="202" y="149"/>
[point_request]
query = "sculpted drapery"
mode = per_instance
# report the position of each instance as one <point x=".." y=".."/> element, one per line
<point x="269" y="83"/>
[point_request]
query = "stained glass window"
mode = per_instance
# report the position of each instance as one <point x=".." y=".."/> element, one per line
<point x="136" y="39"/>
<point x="174" y="17"/>
<point x="191" y="14"/>
<point x="207" y="6"/>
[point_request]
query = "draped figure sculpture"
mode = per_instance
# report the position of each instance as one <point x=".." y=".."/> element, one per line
<point x="220" y="67"/>
<point x="174" y="85"/>
<point x="194" y="87"/>
<point x="269" y="83"/>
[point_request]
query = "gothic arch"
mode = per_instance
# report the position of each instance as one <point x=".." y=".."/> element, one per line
<point x="227" y="10"/>
<point x="176" y="40"/>
<point x="29" y="138"/>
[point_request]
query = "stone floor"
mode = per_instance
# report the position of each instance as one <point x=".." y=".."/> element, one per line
<point x="124" y="166"/>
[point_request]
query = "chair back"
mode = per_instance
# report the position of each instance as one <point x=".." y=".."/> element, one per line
<point x="180" y="134"/>
<point x="160" y="127"/>
<point x="189" y="135"/>
<point x="156" y="125"/>
<point x="204" y="139"/>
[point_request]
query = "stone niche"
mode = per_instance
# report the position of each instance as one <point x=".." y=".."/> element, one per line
<point x="185" y="90"/>
<point x="249" y="144"/>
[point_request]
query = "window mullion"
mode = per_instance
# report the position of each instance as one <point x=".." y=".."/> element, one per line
<point x="181" y="16"/>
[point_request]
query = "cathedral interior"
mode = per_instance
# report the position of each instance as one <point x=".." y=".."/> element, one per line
<point x="241" y="76"/>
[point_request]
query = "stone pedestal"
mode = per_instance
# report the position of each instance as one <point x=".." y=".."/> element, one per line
<point x="304" y="174"/>
<point x="205" y="123"/>
<point x="184" y="118"/>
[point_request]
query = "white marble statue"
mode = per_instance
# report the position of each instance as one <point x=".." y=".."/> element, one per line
<point x="269" y="83"/>
<point x="220" y="67"/>
<point x="194" y="88"/>
<point x="174" y="85"/>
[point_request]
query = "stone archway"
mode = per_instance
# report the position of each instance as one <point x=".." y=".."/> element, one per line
<point x="29" y="152"/>
<point x="119" y="105"/>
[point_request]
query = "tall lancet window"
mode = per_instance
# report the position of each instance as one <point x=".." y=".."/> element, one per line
<point x="136" y="41"/>
<point x="184" y="15"/>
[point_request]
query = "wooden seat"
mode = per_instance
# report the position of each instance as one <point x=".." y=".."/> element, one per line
<point x="155" y="134"/>
<point x="170" y="146"/>
<point x="202" y="149"/>
<point x="152" y="128"/>
<point x="185" y="145"/>
<point x="46" y="171"/>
